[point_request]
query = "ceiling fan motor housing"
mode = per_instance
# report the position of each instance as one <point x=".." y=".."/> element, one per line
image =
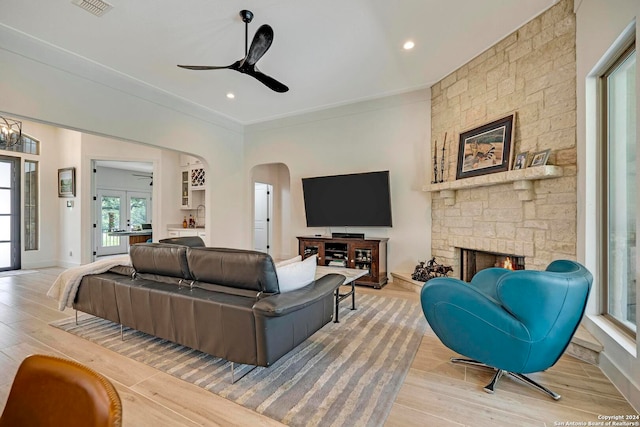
<point x="246" y="16"/>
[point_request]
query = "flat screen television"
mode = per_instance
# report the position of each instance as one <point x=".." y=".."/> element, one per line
<point x="355" y="200"/>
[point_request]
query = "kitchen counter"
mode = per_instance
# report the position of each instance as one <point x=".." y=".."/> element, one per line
<point x="177" y="231"/>
<point x="183" y="229"/>
<point x="134" y="236"/>
<point x="131" y="233"/>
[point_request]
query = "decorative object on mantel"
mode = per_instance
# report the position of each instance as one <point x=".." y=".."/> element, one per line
<point x="540" y="158"/>
<point x="432" y="269"/>
<point x="435" y="163"/>
<point x="442" y="159"/>
<point x="486" y="149"/>
<point x="521" y="161"/>
<point x="10" y="132"/>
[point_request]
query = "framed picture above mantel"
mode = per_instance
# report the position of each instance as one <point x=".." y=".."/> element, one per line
<point x="486" y="149"/>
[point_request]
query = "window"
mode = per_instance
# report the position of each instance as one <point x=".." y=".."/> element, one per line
<point x="619" y="166"/>
<point x="30" y="205"/>
<point x="27" y="145"/>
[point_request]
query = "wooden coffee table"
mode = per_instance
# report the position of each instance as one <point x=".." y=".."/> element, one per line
<point x="351" y="275"/>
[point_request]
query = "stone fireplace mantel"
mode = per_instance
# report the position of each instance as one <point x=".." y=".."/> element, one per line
<point x="522" y="180"/>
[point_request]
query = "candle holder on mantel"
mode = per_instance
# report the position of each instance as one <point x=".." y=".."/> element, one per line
<point x="435" y="163"/>
<point x="442" y="159"/>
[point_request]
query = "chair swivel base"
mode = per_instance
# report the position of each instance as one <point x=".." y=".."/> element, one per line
<point x="490" y="388"/>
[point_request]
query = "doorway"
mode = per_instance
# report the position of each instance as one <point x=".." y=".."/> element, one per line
<point x="119" y="211"/>
<point x="122" y="202"/>
<point x="278" y="205"/>
<point x="263" y="211"/>
<point x="9" y="213"/>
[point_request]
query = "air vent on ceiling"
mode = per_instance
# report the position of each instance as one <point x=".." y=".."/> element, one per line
<point x="96" y="7"/>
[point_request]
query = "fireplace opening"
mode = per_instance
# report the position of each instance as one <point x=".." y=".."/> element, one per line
<point x="472" y="261"/>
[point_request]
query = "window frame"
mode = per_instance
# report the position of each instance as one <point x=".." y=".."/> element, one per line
<point x="603" y="197"/>
<point x="26" y="205"/>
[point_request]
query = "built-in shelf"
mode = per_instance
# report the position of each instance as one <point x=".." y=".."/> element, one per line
<point x="522" y="180"/>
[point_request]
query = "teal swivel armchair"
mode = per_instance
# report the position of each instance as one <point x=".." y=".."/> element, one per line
<point x="516" y="322"/>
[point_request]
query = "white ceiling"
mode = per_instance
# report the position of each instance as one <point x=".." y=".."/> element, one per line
<point x="329" y="52"/>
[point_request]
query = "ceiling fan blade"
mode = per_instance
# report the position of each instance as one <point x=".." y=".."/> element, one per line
<point x="259" y="45"/>
<point x="268" y="81"/>
<point x="204" y="67"/>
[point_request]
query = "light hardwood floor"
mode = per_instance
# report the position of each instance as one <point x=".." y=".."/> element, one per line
<point x="434" y="393"/>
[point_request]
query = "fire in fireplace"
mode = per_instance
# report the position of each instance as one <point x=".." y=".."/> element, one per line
<point x="472" y="261"/>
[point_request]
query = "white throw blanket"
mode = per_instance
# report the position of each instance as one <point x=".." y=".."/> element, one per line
<point x="66" y="285"/>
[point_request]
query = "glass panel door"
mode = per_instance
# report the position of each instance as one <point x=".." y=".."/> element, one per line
<point x="139" y="209"/>
<point x="112" y="216"/>
<point x="9" y="213"/>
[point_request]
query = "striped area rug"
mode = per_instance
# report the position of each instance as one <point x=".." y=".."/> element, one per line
<point x="346" y="374"/>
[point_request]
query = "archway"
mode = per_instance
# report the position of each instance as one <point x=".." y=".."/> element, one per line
<point x="277" y="176"/>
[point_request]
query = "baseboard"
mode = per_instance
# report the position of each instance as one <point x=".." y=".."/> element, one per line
<point x="65" y="264"/>
<point x="40" y="264"/>
<point x="627" y="387"/>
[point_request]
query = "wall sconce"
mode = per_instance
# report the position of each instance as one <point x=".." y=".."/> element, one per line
<point x="10" y="132"/>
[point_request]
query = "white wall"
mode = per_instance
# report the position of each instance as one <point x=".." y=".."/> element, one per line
<point x="385" y="134"/>
<point x="60" y="234"/>
<point x="599" y="23"/>
<point x="42" y="83"/>
<point x="70" y="235"/>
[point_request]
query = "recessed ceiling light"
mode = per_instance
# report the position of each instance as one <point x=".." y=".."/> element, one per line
<point x="408" y="45"/>
<point x="231" y="95"/>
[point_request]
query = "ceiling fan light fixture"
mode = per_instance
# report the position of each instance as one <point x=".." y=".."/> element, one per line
<point x="408" y="45"/>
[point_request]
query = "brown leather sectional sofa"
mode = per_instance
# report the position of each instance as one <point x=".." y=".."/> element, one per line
<point x="225" y="302"/>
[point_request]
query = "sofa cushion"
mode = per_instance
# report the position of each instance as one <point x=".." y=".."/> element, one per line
<point x="288" y="261"/>
<point x="235" y="268"/>
<point x="297" y="274"/>
<point x="160" y="259"/>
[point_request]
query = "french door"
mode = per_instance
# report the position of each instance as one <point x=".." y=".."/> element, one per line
<point x="119" y="211"/>
<point x="112" y="214"/>
<point x="9" y="213"/>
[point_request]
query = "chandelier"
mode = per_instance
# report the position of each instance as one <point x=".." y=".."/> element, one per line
<point x="10" y="132"/>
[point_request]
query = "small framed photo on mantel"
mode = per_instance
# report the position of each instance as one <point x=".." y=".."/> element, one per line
<point x="540" y="158"/>
<point x="521" y="160"/>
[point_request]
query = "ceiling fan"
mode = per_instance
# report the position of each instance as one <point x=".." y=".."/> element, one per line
<point x="149" y="177"/>
<point x="259" y="45"/>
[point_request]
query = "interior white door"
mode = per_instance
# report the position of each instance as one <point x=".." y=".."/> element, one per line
<point x="112" y="212"/>
<point x="9" y="213"/>
<point x="262" y="209"/>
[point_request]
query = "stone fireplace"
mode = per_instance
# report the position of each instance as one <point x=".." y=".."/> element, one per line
<point x="528" y="212"/>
